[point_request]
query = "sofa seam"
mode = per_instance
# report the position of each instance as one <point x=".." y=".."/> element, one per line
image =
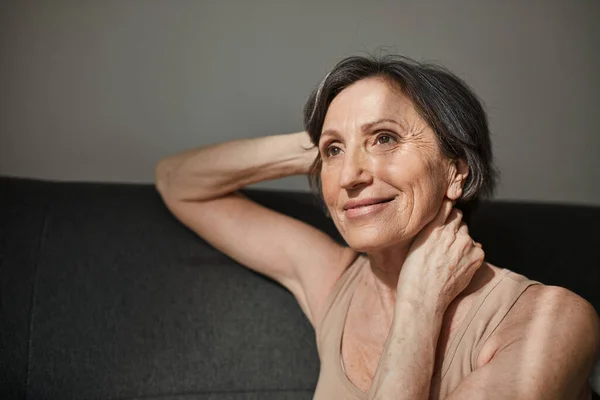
<point x="33" y="295"/>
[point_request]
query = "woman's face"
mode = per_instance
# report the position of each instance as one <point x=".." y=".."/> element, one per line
<point x="377" y="149"/>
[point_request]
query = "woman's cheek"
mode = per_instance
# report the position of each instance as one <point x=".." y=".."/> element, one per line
<point x="328" y="187"/>
<point x="390" y="167"/>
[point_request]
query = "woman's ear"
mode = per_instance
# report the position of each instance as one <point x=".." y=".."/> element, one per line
<point x="459" y="170"/>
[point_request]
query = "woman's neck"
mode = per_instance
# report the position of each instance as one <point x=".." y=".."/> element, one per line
<point x="385" y="267"/>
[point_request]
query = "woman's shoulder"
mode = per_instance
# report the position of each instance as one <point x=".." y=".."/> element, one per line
<point x="540" y="302"/>
<point x="539" y="311"/>
<point x="350" y="264"/>
<point x="485" y="276"/>
<point x="490" y="275"/>
<point x="531" y="298"/>
<point x="534" y="297"/>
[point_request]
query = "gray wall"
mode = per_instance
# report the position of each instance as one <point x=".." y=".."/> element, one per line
<point x="101" y="90"/>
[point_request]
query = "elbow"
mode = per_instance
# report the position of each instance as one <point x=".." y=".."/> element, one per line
<point x="161" y="177"/>
<point x="173" y="185"/>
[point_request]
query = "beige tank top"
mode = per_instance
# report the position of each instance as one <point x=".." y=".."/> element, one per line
<point x="486" y="313"/>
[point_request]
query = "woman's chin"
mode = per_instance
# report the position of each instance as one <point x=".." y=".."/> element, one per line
<point x="373" y="243"/>
<point x="375" y="234"/>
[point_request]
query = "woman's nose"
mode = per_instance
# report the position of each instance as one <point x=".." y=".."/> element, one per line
<point x="355" y="171"/>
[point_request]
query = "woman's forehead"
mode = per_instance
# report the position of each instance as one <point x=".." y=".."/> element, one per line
<point x="367" y="101"/>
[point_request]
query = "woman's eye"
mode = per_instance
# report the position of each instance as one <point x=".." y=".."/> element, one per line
<point x="383" y="139"/>
<point x="332" y="151"/>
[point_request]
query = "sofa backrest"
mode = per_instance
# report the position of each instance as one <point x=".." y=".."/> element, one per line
<point x="105" y="295"/>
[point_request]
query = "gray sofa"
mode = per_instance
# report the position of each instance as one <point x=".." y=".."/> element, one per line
<point x="104" y="295"/>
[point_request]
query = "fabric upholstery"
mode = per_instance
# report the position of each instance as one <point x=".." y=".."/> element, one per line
<point x="105" y="295"/>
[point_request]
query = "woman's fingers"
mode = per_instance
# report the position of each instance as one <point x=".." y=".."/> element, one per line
<point x="443" y="257"/>
<point x="454" y="221"/>
<point x="444" y="213"/>
<point x="464" y="231"/>
<point x="440" y="219"/>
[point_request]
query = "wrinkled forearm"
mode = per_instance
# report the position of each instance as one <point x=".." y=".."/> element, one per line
<point x="406" y="365"/>
<point x="212" y="171"/>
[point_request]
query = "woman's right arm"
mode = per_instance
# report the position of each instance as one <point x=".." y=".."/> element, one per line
<point x="200" y="188"/>
<point x="210" y="172"/>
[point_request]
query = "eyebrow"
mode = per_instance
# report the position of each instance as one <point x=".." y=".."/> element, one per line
<point x="364" y="127"/>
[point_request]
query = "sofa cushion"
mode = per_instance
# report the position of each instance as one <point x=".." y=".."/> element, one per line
<point x="128" y="303"/>
<point x="106" y="295"/>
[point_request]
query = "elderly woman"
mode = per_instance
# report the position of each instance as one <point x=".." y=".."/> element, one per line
<point x="409" y="309"/>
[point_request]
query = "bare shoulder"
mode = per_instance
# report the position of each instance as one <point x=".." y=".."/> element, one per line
<point x="319" y="284"/>
<point x="547" y="318"/>
<point x="556" y="305"/>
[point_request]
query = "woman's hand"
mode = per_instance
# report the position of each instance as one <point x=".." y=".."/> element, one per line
<point x="440" y="264"/>
<point x="441" y="261"/>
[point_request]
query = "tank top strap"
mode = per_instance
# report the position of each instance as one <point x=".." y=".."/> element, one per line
<point x="339" y="295"/>
<point x="484" y="316"/>
<point x="466" y="323"/>
<point x="516" y="284"/>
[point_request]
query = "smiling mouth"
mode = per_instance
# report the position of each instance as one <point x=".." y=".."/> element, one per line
<point x="367" y="210"/>
<point x="370" y="204"/>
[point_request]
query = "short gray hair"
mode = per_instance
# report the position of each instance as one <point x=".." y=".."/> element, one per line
<point x="441" y="98"/>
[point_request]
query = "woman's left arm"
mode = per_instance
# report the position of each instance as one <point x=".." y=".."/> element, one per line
<point x="406" y="366"/>
<point x="440" y="263"/>
<point x="546" y="350"/>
